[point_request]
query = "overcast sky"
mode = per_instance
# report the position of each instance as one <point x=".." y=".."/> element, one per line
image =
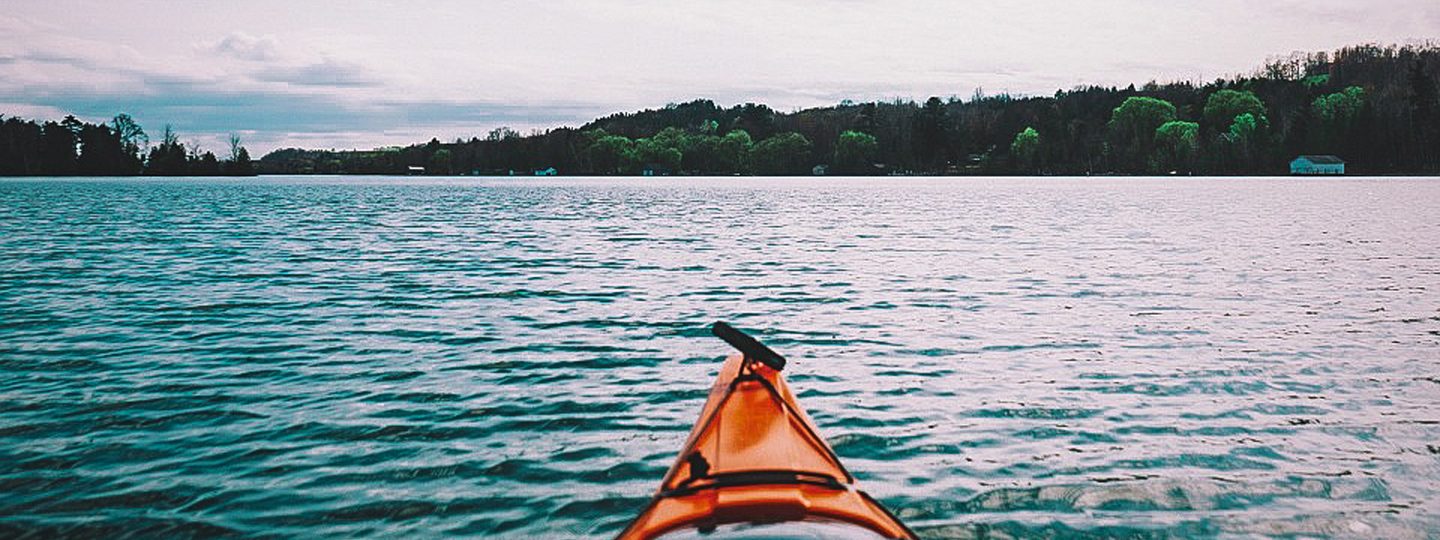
<point x="357" y="74"/>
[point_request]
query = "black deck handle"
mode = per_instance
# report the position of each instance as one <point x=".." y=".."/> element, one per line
<point x="748" y="346"/>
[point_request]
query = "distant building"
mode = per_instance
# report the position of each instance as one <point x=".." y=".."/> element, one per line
<point x="415" y="169"/>
<point x="1317" y="165"/>
<point x="546" y="172"/>
<point x="820" y="170"/>
<point x="655" y="169"/>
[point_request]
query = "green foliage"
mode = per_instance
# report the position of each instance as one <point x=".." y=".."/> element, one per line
<point x="1241" y="143"/>
<point x="1315" y="81"/>
<point x="855" y="152"/>
<point x="701" y="154"/>
<point x="1244" y="128"/>
<point x="1177" y="144"/>
<point x="1336" y="116"/>
<point x="1340" y="108"/>
<point x="783" y="154"/>
<point x="1237" y="120"/>
<point x="672" y="137"/>
<point x="657" y="152"/>
<point x="610" y="154"/>
<point x="1141" y="115"/>
<point x="1026" y="148"/>
<point x="1132" y="130"/>
<point x="734" y="151"/>
<point x="672" y="149"/>
<point x="1224" y="106"/>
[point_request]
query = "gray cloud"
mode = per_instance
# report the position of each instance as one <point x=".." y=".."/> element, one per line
<point x="327" y="72"/>
<point x="277" y="116"/>
<point x="53" y="57"/>
<point x="365" y="73"/>
<point x="278" y="102"/>
<point x="247" y="47"/>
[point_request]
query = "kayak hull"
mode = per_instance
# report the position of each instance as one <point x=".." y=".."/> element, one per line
<point x="754" y="456"/>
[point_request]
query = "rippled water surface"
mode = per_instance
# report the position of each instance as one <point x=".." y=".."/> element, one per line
<point x="518" y="358"/>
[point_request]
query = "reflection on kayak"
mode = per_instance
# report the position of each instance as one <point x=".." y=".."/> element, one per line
<point x="755" y="458"/>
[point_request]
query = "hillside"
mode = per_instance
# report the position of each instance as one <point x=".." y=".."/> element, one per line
<point x="1375" y="106"/>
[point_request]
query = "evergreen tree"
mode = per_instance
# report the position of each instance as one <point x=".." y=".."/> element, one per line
<point x="1424" y="116"/>
<point x="930" y="134"/>
<point x="57" y="149"/>
<point x="169" y="158"/>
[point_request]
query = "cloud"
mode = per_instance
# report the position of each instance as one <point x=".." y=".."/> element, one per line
<point x="288" y="66"/>
<point x="31" y="111"/>
<point x="327" y="72"/>
<point x="246" y="84"/>
<point x="244" y="46"/>
<point x="365" y="73"/>
<point x="272" y="117"/>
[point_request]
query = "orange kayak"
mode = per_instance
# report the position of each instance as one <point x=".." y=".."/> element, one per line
<point x="755" y="464"/>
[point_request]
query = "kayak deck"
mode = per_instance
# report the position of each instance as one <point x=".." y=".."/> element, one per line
<point x="754" y="456"/>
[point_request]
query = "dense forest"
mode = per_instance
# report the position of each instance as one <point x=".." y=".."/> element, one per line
<point x="71" y="147"/>
<point x="1374" y="106"/>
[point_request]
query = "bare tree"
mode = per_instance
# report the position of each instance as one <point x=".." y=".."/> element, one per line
<point x="235" y="148"/>
<point x="130" y="132"/>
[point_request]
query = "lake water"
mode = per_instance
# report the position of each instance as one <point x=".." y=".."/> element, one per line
<point x="308" y="357"/>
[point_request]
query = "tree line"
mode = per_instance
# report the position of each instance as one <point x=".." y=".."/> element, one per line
<point x="1374" y="106"/>
<point x="71" y="147"/>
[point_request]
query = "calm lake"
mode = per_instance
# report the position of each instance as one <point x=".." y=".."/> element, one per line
<point x="418" y="357"/>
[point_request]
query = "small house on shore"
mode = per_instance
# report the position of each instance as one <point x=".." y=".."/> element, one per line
<point x="1317" y="165"/>
<point x="415" y="170"/>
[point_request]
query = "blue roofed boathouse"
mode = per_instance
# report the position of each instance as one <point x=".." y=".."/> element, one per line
<point x="1317" y="165"/>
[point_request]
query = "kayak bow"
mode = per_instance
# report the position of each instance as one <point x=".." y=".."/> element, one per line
<point x="755" y="457"/>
